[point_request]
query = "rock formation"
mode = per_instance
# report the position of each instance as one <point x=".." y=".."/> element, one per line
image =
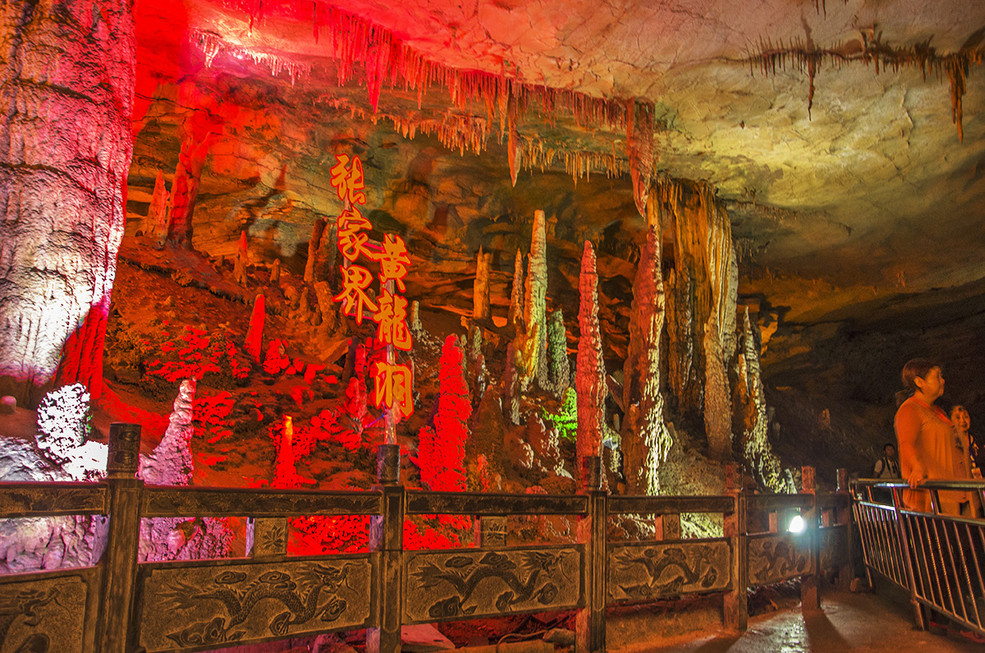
<point x="441" y="448"/>
<point x="69" y="76"/>
<point x="480" y="288"/>
<point x="515" y="318"/>
<point x="558" y="368"/>
<point x="535" y="305"/>
<point x="254" y="334"/>
<point x="590" y="372"/>
<point x="645" y="441"/>
<point x="702" y="293"/>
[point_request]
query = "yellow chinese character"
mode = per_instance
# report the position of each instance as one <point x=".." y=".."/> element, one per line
<point x="392" y="318"/>
<point x="394" y="261"/>
<point x="355" y="281"/>
<point x="348" y="182"/>
<point x="392" y="387"/>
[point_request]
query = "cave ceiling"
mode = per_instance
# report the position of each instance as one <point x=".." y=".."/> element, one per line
<point x="827" y="128"/>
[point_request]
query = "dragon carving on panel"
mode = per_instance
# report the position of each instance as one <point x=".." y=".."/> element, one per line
<point x="25" y="604"/>
<point x="230" y="590"/>
<point x="775" y="558"/>
<point x="666" y="571"/>
<point x="465" y="576"/>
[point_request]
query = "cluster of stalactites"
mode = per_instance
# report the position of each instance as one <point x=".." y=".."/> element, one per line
<point x="702" y="291"/>
<point x="807" y="58"/>
<point x="381" y="59"/>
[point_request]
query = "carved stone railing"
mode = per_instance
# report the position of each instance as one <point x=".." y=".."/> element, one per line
<point x="121" y="605"/>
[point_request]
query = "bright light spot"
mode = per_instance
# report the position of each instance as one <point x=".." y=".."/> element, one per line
<point x="797" y="525"/>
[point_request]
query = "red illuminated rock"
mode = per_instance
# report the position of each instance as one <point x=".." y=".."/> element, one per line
<point x="254" y="335"/>
<point x="590" y="372"/>
<point x="68" y="78"/>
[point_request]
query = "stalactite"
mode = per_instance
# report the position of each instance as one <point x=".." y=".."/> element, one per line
<point x="646" y="440"/>
<point x="511" y="146"/>
<point x="480" y="287"/>
<point x="809" y="59"/>
<point x="639" y="148"/>
<point x="535" y="303"/>
<point x="590" y="373"/>
<point x="559" y="370"/>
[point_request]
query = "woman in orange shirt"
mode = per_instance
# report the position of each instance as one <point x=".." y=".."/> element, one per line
<point x="926" y="437"/>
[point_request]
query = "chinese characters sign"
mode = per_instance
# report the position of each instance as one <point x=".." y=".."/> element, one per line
<point x="393" y="383"/>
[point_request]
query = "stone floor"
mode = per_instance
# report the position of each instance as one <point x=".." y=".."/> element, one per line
<point x="847" y="622"/>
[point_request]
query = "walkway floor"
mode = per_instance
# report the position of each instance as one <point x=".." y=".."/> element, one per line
<point x="847" y="622"/>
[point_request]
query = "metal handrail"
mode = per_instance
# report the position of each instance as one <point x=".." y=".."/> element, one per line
<point x="937" y="557"/>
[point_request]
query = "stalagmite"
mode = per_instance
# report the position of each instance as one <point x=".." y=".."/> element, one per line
<point x="157" y="213"/>
<point x="242" y="259"/>
<point x="718" y="405"/>
<point x="590" y="379"/>
<point x="559" y="371"/>
<point x="751" y="413"/>
<point x="254" y="335"/>
<point x="535" y="304"/>
<point x="511" y="386"/>
<point x="274" y="273"/>
<point x="198" y="135"/>
<point x="63" y="168"/>
<point x="414" y="321"/>
<point x="480" y="287"/>
<point x="646" y="441"/>
<point x="171" y="461"/>
<point x="515" y="318"/>
<point x="314" y="244"/>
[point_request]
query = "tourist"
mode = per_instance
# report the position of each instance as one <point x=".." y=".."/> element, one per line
<point x="964" y="465"/>
<point x="887" y="467"/>
<point x="925" y="437"/>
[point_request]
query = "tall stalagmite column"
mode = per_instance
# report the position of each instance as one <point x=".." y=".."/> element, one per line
<point x="66" y="96"/>
<point x="480" y="288"/>
<point x="535" y="303"/>
<point x="198" y="134"/>
<point x="646" y="440"/>
<point x="590" y="374"/>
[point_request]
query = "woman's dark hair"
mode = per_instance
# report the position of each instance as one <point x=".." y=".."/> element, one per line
<point x="916" y="368"/>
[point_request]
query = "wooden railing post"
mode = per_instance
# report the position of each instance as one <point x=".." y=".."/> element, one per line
<point x="387" y="536"/>
<point x="119" y="562"/>
<point x="734" y="606"/>
<point x="490" y="532"/>
<point x="590" y="620"/>
<point x="810" y="585"/>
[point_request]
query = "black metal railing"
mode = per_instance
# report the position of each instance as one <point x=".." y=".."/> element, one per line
<point x="938" y="558"/>
<point x="121" y="605"/>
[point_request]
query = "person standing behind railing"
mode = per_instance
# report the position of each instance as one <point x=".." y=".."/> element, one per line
<point x="964" y="465"/>
<point x="887" y="467"/>
<point x="925" y="437"/>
